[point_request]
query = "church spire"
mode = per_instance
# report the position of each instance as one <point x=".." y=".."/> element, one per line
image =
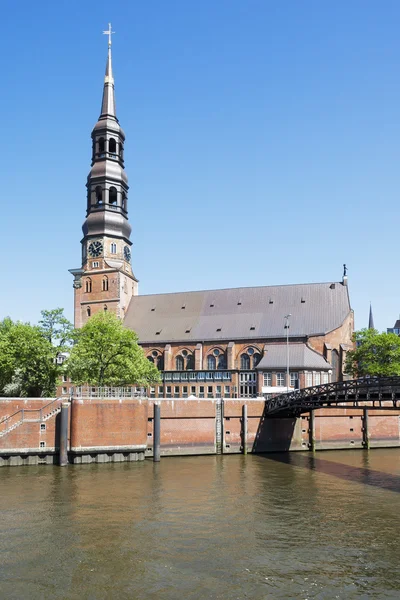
<point x="108" y="102"/>
<point x="371" y="318"/>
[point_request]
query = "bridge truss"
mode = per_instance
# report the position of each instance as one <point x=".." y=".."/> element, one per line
<point x="375" y="393"/>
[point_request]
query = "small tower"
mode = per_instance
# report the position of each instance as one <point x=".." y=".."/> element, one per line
<point x="105" y="281"/>
<point x="371" y="318"/>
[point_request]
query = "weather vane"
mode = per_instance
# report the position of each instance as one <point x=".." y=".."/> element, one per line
<point x="109" y="32"/>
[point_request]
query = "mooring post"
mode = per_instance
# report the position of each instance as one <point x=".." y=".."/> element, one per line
<point x="365" y="428"/>
<point x="312" y="431"/>
<point x="64" y="434"/>
<point x="156" y="433"/>
<point x="244" y="428"/>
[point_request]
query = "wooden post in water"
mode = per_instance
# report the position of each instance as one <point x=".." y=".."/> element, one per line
<point x="244" y="428"/>
<point x="312" y="431"/>
<point x="156" y="433"/>
<point x="63" y="443"/>
<point x="365" y="429"/>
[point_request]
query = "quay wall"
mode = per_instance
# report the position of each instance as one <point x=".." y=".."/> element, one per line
<point x="112" y="430"/>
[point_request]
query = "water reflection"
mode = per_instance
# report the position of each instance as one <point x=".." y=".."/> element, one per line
<point x="292" y="526"/>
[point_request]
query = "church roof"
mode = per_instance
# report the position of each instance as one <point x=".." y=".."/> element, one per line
<point x="238" y="313"/>
<point x="300" y="356"/>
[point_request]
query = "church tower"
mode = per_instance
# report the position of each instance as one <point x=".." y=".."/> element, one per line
<point x="105" y="281"/>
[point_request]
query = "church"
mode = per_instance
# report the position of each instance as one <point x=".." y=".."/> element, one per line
<point x="227" y="343"/>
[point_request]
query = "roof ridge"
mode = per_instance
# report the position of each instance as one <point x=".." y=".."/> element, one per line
<point x="249" y="287"/>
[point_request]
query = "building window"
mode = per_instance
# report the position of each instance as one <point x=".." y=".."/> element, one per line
<point x="179" y="363"/>
<point x="317" y="378"/>
<point x="227" y="391"/>
<point x="95" y="264"/>
<point x="176" y="391"/>
<point x="201" y="392"/>
<point x="88" y="285"/>
<point x="101" y="146"/>
<point x="325" y="377"/>
<point x="268" y="379"/>
<point x="112" y="196"/>
<point x="123" y="201"/>
<point x="150" y="359"/>
<point x="105" y="308"/>
<point x="112" y="147"/>
<point x="169" y="388"/>
<point x="218" y="391"/>
<point x="211" y="362"/>
<point x="280" y="379"/>
<point x="308" y="379"/>
<point x="113" y="248"/>
<point x="64" y="378"/>
<point x="294" y="380"/>
<point x="99" y="194"/>
<point x="245" y="362"/>
<point x="209" y="391"/>
<point x="88" y="311"/>
<point x="256" y="359"/>
<point x="221" y="362"/>
<point x="64" y="390"/>
<point x="160" y="390"/>
<point x="105" y="284"/>
<point x="42" y="426"/>
<point x="42" y="444"/>
<point x="190" y="362"/>
<point x="193" y="390"/>
<point x="160" y="362"/>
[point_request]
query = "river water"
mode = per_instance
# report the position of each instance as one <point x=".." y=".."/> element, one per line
<point x="234" y="527"/>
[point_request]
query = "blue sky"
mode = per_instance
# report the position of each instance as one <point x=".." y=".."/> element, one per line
<point x="262" y="144"/>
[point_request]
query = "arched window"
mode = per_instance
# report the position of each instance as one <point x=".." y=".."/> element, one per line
<point x="88" y="285"/>
<point x="245" y="362"/>
<point x="190" y="362"/>
<point x="101" y="146"/>
<point x="105" y="284"/>
<point x="113" y="248"/>
<point x="112" y="146"/>
<point x="99" y="195"/>
<point x="88" y="311"/>
<point x="123" y="201"/>
<point x="211" y="362"/>
<point x="112" y="195"/>
<point x="221" y="362"/>
<point x="105" y="308"/>
<point x="335" y="365"/>
<point x="121" y="151"/>
<point x="151" y="359"/>
<point x="256" y="359"/>
<point x="179" y="363"/>
<point x="160" y="363"/>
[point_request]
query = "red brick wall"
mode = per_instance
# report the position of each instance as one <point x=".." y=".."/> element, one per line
<point x="108" y="424"/>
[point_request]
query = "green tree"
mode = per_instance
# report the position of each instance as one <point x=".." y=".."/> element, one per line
<point x="56" y="328"/>
<point x="107" y="354"/>
<point x="376" y="354"/>
<point x="27" y="365"/>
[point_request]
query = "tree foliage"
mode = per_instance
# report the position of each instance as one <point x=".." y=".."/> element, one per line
<point x="376" y="354"/>
<point x="28" y="366"/>
<point x="107" y="354"/>
<point x="56" y="328"/>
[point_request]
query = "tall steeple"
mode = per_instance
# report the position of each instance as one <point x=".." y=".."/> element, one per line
<point x="106" y="280"/>
<point x="371" y="318"/>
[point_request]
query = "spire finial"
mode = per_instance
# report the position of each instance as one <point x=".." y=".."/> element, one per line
<point x="371" y="318"/>
<point x="109" y="32"/>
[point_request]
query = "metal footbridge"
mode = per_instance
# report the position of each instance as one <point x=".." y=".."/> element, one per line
<point x="375" y="393"/>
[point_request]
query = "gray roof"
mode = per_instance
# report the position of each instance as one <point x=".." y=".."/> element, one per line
<point x="238" y="313"/>
<point x="301" y="356"/>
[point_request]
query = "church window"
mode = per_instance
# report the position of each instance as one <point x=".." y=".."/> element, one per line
<point x="88" y="285"/>
<point x="88" y="311"/>
<point x="190" y="362"/>
<point x="121" y="151"/>
<point x="160" y="363"/>
<point x="221" y="362"/>
<point x="105" y="308"/>
<point x="99" y="195"/>
<point x="211" y="362"/>
<point x="179" y="363"/>
<point x="95" y="264"/>
<point x="150" y="359"/>
<point x="245" y="361"/>
<point x="112" y="196"/>
<point x="105" y="284"/>
<point x="256" y="359"/>
<point x="101" y="146"/>
<point x="123" y="201"/>
<point x="112" y="147"/>
<point x="113" y="248"/>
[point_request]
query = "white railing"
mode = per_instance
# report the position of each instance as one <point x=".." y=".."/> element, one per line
<point x="108" y="392"/>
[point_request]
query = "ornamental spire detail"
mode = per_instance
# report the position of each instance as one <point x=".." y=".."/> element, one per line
<point x="108" y="102"/>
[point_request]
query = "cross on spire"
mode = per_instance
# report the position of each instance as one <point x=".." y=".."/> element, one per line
<point x="109" y="32"/>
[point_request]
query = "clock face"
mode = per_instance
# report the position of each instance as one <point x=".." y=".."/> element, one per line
<point x="95" y="248"/>
<point x="127" y="253"/>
